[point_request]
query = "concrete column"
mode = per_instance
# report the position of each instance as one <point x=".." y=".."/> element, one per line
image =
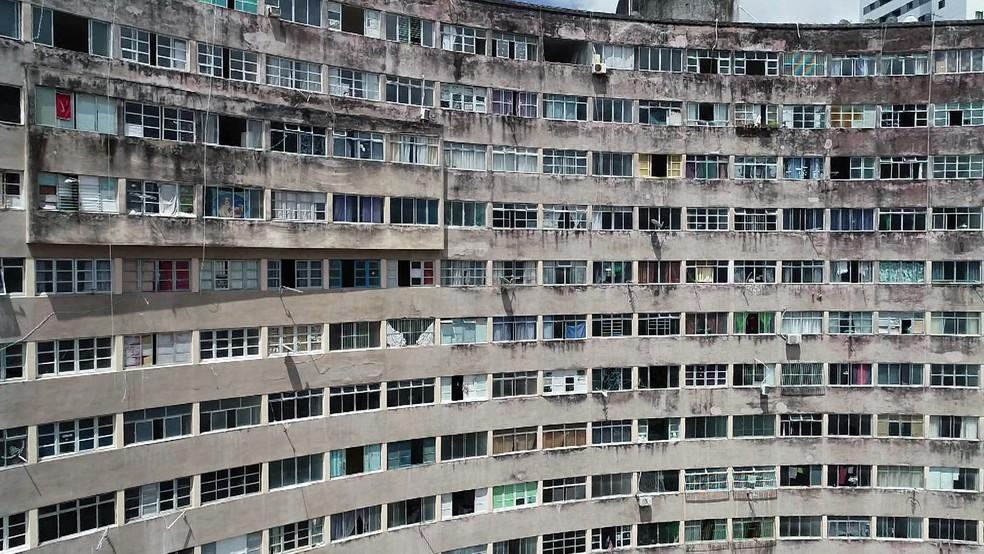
<point x="30" y="360"/>
<point x="195" y="274"/>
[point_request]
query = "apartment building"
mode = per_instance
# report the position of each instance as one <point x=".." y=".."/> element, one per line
<point x="921" y="10"/>
<point x="475" y="277"/>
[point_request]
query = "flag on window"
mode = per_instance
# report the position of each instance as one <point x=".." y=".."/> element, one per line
<point x="63" y="105"/>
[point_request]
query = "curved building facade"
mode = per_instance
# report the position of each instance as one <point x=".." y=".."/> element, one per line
<point x="463" y="276"/>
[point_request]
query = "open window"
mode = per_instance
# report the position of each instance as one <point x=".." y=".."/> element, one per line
<point x="10" y="104"/>
<point x="70" y="31"/>
<point x="239" y="132"/>
<point x="560" y="50"/>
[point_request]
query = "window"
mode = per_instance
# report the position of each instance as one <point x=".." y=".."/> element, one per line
<point x="409" y="30"/>
<point x="708" y="427"/>
<point x="564" y="490"/>
<point x="804" y="64"/>
<point x="955" y="323"/>
<point x="463" y="331"/>
<point x="756" y="63"/>
<point x="464" y="98"/>
<point x="565" y="435"/>
<point x="564" y="381"/>
<point x="229" y="413"/>
<point x="411" y="392"/>
<point x="148" y="500"/>
<point x="707" y="114"/>
<point x="354" y="84"/>
<point x="802" y="374"/>
<point x="298" y="139"/>
<point x="804" y="117"/>
<point x="661" y="166"/>
<point x="850" y="323"/>
<point x="159" y="349"/>
<point x="900" y="477"/>
<point x="463" y="273"/>
<point x="229" y="343"/>
<point x="76" y="516"/>
<point x="294" y="537"/>
<point x="851" y="271"/>
<point x="611" y="164"/>
<point x="900" y="425"/>
<point x="754" y="375"/>
<point x="73" y="436"/>
<point x="953" y="427"/>
<point x="465" y="214"/>
<point x="230" y="483"/>
<point x="952" y="479"/>
<point x="756" y="167"/>
<point x="227" y="63"/>
<point x="852" y="219"/>
<point x="902" y="167"/>
<point x="848" y="476"/>
<point x="304" y="274"/>
<point x="513" y="272"/>
<point x="660" y="113"/>
<point x="464" y="388"/>
<point x="10" y="28"/>
<point x="802" y="272"/>
<point x="707" y="219"/>
<point x="659" y="272"/>
<point x="13" y="444"/>
<point x="709" y="61"/>
<point x="402" y="333"/>
<point x="565" y="272"/>
<point x="516" y="495"/>
<point x="157" y="122"/>
<point x="616" y="56"/>
<point x="958" y="167"/>
<point x="659" y="218"/>
<point x="463" y="39"/>
<point x="520" y="439"/>
<point x="413" y="211"/>
<point x="567" y="542"/>
<point x="354" y="523"/>
<point x="801" y="168"/>
<point x="613" y="484"/>
<point x="900" y="375"/>
<point x="852" y="167"/>
<point x="520" y="383"/>
<point x="756" y="219"/>
<point x="853" y="65"/>
<point x="611" y="432"/>
<point x="849" y="374"/>
<point x="11" y="195"/>
<point x="659" y="377"/>
<point x="656" y="482"/>
<point x="514" y="328"/>
<point x="612" y="273"/>
<point x="304" y="12"/>
<point x="350" y="208"/>
<point x="148" y="48"/>
<point x="757" y="115"/>
<point x="755" y="271"/>
<point x="77" y="193"/>
<point x="465" y="445"/>
<point x="953" y="530"/>
<point x="659" y="429"/>
<point x="901" y="272"/>
<point x="904" y="64"/>
<point x="801" y="476"/>
<point x="611" y="325"/>
<point x="514" y="103"/>
<point x="802" y="219"/>
<point x="612" y="110"/>
<point x="799" y="527"/>
<point x="956" y="219"/>
<point x="410" y="453"/>
<point x="355" y="460"/>
<point x="706" y="167"/>
<point x="291" y="405"/>
<point x="565" y="162"/>
<point x="12" y="276"/>
<point x="353" y="398"/>
<point x="658" y="533"/>
<point x="849" y="425"/>
<point x="514" y="216"/>
<point x="65" y="356"/>
<point x="156" y="275"/>
<point x="411" y="511"/>
<point x="353" y="335"/>
<point x="61" y="30"/>
<point x="357" y="145"/>
<point x="459" y="155"/>
<point x="653" y="58"/>
<point x="11" y="361"/>
<point x="611" y="218"/>
<point x="409" y="91"/>
<point x="565" y="217"/>
<point x="707" y="323"/>
<point x="295" y="471"/>
<point x="152" y="198"/>
<point x="905" y="115"/>
<point x="223" y="130"/>
<point x="752" y="426"/>
<point x="513" y="46"/>
<point x="955" y="375"/>
<point x="564" y="327"/>
<point x="957" y="114"/>
<point x="233" y="202"/>
<point x="753" y="528"/>
<point x="856" y="116"/>
<point x="248" y="6"/>
<point x="565" y="107"/>
<point x="230" y="275"/>
<point x="705" y="530"/>
<point x="800" y="425"/>
<point x="414" y="149"/>
<point x="848" y="527"/>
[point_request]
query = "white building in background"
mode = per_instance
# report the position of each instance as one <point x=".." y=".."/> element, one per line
<point x="921" y="10"/>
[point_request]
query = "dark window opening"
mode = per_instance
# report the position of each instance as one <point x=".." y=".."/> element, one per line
<point x="840" y="167"/>
<point x="755" y="67"/>
<point x="659" y="377"/>
<point x="232" y="131"/>
<point x="354" y="460"/>
<point x="707" y="65"/>
<point x="353" y="20"/>
<point x="70" y="32"/>
<point x="956" y="118"/>
<point x="462" y="503"/>
<point x="457" y="388"/>
<point x="566" y="51"/>
<point x="659" y="164"/>
<point x="10" y="109"/>
<point x="705" y="112"/>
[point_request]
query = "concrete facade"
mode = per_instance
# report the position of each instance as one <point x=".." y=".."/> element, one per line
<point x="777" y="326"/>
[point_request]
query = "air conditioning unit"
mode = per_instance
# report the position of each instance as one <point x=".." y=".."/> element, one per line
<point x="794" y="338"/>
<point x="273" y="11"/>
<point x="425" y="114"/>
<point x="599" y="68"/>
<point x="645" y="501"/>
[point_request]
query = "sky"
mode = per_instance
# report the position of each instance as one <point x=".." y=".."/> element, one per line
<point x="776" y="11"/>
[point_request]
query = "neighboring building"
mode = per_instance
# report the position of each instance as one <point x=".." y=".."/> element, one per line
<point x="315" y="279"/>
<point x="693" y="10"/>
<point x="921" y="10"/>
